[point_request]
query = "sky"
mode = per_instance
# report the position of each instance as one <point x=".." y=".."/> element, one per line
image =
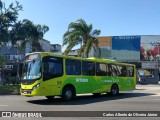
<point x="112" y="17"/>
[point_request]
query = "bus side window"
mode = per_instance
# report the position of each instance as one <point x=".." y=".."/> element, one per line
<point x="52" y="67"/>
<point x="113" y="70"/>
<point x="73" y="67"/>
<point x="88" y="68"/>
<point x="101" y="69"/>
<point x="121" y="70"/>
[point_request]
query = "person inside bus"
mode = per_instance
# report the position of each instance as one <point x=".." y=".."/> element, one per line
<point x="91" y="70"/>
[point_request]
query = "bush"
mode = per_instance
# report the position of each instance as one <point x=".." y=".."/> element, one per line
<point x="9" y="89"/>
<point x="10" y="80"/>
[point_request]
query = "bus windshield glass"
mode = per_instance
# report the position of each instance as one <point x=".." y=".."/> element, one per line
<point x="32" y="67"/>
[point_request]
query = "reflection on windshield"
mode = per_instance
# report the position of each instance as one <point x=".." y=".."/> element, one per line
<point x="31" y="70"/>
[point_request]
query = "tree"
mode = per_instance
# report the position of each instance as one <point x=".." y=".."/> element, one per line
<point x="8" y="17"/>
<point x="34" y="33"/>
<point x="26" y="31"/>
<point x="13" y="30"/>
<point x="80" y="33"/>
<point x="3" y="62"/>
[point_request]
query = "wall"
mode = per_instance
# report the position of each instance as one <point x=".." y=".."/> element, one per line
<point x="126" y="48"/>
<point x="56" y="48"/>
<point x="105" y="43"/>
<point x="45" y="45"/>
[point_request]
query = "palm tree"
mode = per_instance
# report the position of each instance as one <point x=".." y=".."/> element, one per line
<point x="1" y="5"/>
<point x="79" y="33"/>
<point x="35" y="32"/>
<point x="28" y="32"/>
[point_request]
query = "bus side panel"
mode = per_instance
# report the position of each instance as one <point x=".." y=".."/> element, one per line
<point x="103" y="85"/>
<point x="87" y="84"/>
<point x="83" y="84"/>
<point x="52" y="86"/>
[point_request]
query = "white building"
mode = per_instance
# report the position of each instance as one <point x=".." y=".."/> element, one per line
<point x="46" y="46"/>
<point x="56" y="48"/>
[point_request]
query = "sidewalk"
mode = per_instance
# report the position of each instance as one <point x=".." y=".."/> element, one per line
<point x="149" y="85"/>
<point x="149" y="88"/>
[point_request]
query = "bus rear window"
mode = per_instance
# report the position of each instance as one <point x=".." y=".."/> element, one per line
<point x="130" y="70"/>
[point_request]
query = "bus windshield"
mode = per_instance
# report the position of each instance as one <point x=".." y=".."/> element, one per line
<point x="31" y="69"/>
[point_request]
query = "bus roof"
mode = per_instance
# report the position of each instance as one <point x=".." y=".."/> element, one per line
<point x="93" y="59"/>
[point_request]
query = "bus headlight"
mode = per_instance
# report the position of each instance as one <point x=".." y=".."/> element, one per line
<point x="36" y="86"/>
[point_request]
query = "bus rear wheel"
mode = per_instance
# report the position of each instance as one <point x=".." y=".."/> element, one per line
<point x="114" y="90"/>
<point x="68" y="93"/>
<point x="50" y="97"/>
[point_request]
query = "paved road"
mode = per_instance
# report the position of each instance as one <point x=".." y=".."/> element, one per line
<point x="144" y="98"/>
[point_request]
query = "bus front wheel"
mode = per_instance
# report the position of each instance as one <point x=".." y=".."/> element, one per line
<point x="114" y="90"/>
<point x="68" y="93"/>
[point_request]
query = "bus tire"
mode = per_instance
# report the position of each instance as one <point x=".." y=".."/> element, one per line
<point x="114" y="90"/>
<point x="50" y="97"/>
<point x="68" y="93"/>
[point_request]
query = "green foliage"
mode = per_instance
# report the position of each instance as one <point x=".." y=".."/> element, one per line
<point x="8" y="17"/>
<point x="80" y="33"/>
<point x="11" y="29"/>
<point x="1" y="4"/>
<point x="7" y="80"/>
<point x="9" y="89"/>
<point x="3" y="61"/>
<point x="25" y="30"/>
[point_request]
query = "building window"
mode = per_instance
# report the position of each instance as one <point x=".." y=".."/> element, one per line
<point x="7" y="56"/>
<point x="11" y="57"/>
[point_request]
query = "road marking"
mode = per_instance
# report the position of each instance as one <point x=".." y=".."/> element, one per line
<point x="3" y="105"/>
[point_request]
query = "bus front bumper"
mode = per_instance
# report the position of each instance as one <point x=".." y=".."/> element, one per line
<point x="31" y="92"/>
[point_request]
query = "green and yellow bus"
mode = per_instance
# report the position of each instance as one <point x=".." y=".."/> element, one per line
<point x="48" y="74"/>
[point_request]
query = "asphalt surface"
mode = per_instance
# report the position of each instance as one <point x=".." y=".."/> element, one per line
<point x="144" y="98"/>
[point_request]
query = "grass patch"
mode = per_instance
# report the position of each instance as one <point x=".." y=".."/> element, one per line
<point x="9" y="89"/>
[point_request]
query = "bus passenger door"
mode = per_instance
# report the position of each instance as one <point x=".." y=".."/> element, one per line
<point x="130" y="77"/>
<point x="45" y="88"/>
<point x="88" y="76"/>
<point x="52" y="69"/>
